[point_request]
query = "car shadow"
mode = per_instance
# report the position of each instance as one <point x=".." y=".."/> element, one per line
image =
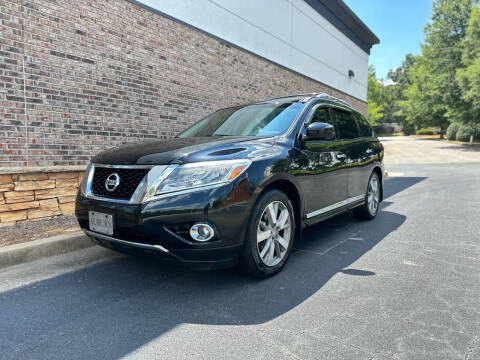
<point x="463" y="147"/>
<point x="111" y="309"/>
<point x="395" y="185"/>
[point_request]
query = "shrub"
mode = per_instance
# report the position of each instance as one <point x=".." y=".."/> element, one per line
<point x="425" y="132"/>
<point x="464" y="132"/>
<point x="384" y="129"/>
<point x="452" y="131"/>
<point x="408" y="129"/>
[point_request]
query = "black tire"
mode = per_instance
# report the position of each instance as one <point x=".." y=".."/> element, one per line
<point x="364" y="212"/>
<point x="250" y="261"/>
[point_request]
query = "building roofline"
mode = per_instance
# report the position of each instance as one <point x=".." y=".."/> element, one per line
<point x="345" y="20"/>
<point x="172" y="18"/>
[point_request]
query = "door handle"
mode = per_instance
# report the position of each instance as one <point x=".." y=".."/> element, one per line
<point x="341" y="156"/>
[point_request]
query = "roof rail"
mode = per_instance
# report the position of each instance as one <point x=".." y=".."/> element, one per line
<point x="309" y="96"/>
<point x="290" y="96"/>
<point x="333" y="98"/>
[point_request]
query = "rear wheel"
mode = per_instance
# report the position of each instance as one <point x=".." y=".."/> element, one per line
<point x="270" y="235"/>
<point x="369" y="210"/>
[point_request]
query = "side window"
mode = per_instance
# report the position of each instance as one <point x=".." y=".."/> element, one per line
<point x="365" y="128"/>
<point x="345" y="124"/>
<point x="322" y="114"/>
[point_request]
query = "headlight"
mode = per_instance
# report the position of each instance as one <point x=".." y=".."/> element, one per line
<point x="198" y="175"/>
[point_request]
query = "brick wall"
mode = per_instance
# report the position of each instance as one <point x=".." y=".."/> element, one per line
<point x="37" y="195"/>
<point x="106" y="72"/>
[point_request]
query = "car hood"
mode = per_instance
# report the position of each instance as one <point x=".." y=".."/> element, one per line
<point x="183" y="150"/>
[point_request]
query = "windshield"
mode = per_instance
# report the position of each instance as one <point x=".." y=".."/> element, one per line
<point x="251" y="120"/>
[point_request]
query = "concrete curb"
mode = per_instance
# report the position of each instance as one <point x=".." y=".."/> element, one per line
<point x="34" y="250"/>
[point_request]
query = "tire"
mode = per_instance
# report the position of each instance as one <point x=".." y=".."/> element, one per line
<point x="267" y="247"/>
<point x="369" y="210"/>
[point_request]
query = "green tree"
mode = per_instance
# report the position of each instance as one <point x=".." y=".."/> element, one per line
<point x="433" y="96"/>
<point x="374" y="97"/>
<point x="468" y="77"/>
<point x="400" y="75"/>
<point x="443" y="39"/>
<point x="396" y="93"/>
<point x="422" y="104"/>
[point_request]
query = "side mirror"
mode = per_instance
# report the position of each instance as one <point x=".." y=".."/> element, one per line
<point x="320" y="131"/>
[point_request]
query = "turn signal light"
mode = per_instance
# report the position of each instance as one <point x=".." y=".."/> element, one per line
<point x="237" y="171"/>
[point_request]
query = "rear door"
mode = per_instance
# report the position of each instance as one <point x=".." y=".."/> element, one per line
<point x="355" y="151"/>
<point x="369" y="153"/>
<point x="321" y="168"/>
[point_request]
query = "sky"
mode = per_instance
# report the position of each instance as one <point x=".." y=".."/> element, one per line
<point x="399" y="26"/>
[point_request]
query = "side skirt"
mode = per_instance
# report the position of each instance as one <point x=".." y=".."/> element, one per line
<point x="320" y="215"/>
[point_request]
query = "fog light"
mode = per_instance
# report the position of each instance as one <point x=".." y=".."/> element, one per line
<point x="201" y="232"/>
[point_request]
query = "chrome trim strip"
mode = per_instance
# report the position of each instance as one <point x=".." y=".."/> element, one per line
<point x="139" y="192"/>
<point x="124" y="242"/>
<point x="118" y="201"/>
<point x="88" y="186"/>
<point x="335" y="206"/>
<point x="124" y="166"/>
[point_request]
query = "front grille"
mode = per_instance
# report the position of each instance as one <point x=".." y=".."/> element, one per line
<point x="129" y="180"/>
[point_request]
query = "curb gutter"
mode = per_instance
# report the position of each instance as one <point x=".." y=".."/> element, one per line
<point x="37" y="249"/>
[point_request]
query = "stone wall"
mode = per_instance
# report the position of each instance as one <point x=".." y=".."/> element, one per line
<point x="106" y="72"/>
<point x="38" y="194"/>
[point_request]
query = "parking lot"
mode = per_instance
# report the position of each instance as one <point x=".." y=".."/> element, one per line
<point x="404" y="286"/>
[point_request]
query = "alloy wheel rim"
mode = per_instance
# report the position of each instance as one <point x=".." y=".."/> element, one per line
<point x="274" y="233"/>
<point x="373" y="195"/>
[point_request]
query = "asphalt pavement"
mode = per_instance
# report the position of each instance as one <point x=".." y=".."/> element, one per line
<point x="403" y="286"/>
<point x="428" y="150"/>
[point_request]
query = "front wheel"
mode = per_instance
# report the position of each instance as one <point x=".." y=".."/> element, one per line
<point x="369" y="210"/>
<point x="270" y="235"/>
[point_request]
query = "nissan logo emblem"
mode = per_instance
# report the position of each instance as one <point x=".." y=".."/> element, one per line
<point x="112" y="182"/>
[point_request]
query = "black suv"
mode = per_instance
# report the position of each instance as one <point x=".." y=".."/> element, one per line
<point x="236" y="187"/>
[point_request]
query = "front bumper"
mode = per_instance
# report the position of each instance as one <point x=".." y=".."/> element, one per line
<point x="160" y="227"/>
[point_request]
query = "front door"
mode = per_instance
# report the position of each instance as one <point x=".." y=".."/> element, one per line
<point x="320" y="169"/>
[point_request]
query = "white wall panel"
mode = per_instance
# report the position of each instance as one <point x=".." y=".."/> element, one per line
<point x="288" y="32"/>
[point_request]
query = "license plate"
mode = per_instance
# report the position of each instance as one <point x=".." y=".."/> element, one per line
<point x="100" y="222"/>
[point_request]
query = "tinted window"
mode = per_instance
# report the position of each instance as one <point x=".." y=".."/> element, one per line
<point x="322" y="115"/>
<point x="251" y="120"/>
<point x="365" y="129"/>
<point x="345" y="124"/>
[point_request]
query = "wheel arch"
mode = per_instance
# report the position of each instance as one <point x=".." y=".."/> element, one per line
<point x="292" y="191"/>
